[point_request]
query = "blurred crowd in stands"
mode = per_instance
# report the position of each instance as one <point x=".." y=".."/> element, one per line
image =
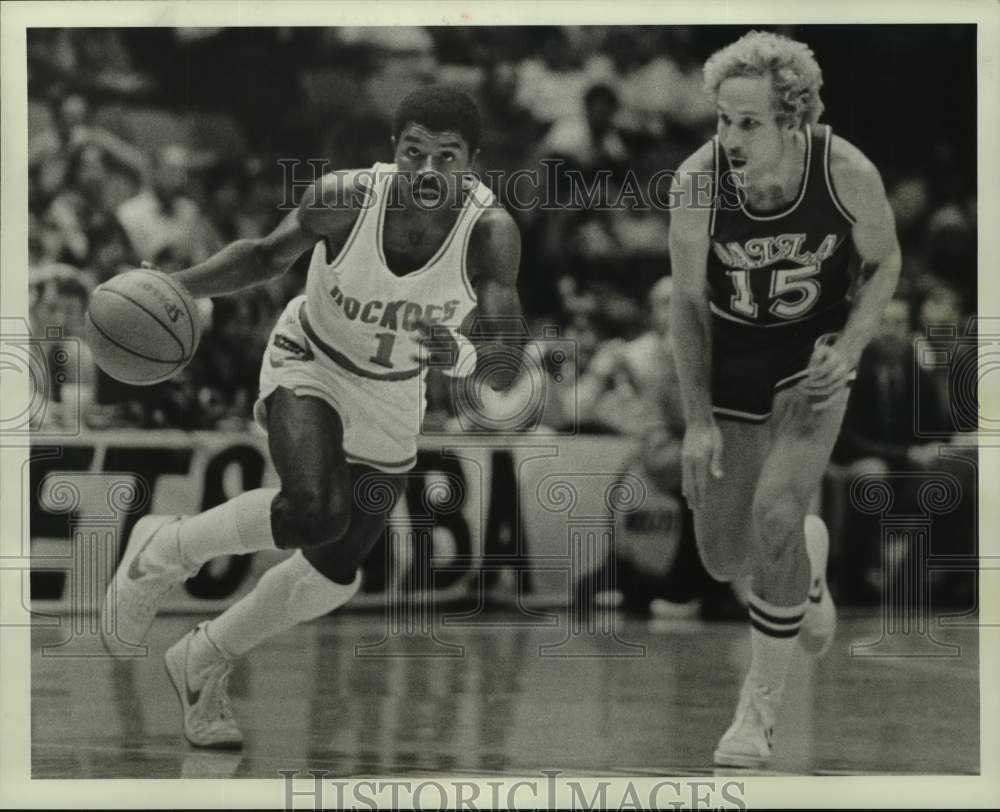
<point x="163" y="145"/>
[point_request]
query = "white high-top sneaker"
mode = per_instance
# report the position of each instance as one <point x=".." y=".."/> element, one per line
<point x="820" y="622"/>
<point x="747" y="741"/>
<point x="141" y="582"/>
<point x="208" y="714"/>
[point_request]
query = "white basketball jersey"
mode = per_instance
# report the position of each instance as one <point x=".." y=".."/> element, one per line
<point x="362" y="315"/>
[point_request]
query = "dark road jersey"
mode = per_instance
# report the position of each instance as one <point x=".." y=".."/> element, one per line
<point x="783" y="267"/>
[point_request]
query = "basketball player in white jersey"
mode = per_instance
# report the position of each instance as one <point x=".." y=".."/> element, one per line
<point x="768" y="333"/>
<point x="395" y="249"/>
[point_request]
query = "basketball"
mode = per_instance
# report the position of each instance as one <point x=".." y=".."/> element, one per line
<point x="142" y="327"/>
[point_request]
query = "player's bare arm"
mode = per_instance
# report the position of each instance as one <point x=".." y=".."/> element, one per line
<point x="327" y="210"/>
<point x="690" y="324"/>
<point x="493" y="262"/>
<point x="860" y="188"/>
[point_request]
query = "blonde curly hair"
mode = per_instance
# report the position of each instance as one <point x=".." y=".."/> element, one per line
<point x="795" y="76"/>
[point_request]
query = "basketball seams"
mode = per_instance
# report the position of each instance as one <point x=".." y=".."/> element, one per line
<point x="182" y="295"/>
<point x="184" y="356"/>
<point x="130" y="351"/>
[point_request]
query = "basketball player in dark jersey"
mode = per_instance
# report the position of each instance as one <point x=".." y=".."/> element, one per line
<point x="768" y="331"/>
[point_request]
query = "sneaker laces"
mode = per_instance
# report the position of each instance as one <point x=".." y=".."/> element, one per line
<point x="750" y="714"/>
<point x="219" y="698"/>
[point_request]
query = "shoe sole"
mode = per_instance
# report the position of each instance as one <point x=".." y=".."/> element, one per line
<point x="177" y="681"/>
<point x="730" y="760"/>
<point x="826" y="639"/>
<point x="132" y="547"/>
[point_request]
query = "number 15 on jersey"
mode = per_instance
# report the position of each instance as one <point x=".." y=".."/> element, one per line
<point x="792" y="292"/>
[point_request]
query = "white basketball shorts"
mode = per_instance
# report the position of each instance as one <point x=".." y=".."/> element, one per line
<point x="381" y="418"/>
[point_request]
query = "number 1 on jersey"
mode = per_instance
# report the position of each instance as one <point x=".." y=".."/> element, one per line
<point x="383" y="356"/>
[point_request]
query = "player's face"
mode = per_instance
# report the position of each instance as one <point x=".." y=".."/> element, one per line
<point x="432" y="165"/>
<point x="171" y="175"/>
<point x="754" y="142"/>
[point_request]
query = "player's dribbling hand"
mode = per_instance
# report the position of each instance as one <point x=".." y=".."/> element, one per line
<point x="829" y="371"/>
<point x="701" y="455"/>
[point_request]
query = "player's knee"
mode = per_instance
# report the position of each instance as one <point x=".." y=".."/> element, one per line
<point x="722" y="570"/>
<point x="311" y="518"/>
<point x="337" y="515"/>
<point x="778" y="523"/>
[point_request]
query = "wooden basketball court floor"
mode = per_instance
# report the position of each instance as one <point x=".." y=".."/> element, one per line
<point x="312" y="699"/>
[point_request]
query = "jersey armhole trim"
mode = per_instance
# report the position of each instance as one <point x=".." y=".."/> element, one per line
<point x="739" y="415"/>
<point x="715" y="185"/>
<point x="463" y="261"/>
<point x="355" y="229"/>
<point x="827" y="149"/>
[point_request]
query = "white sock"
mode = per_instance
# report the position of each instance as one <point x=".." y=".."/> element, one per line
<point x="773" y="630"/>
<point x="241" y="525"/>
<point x="289" y="593"/>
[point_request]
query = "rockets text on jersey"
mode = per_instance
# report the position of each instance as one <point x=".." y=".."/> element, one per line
<point x="362" y="315"/>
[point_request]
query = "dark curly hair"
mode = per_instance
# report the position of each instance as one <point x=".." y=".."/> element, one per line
<point x="440" y="108"/>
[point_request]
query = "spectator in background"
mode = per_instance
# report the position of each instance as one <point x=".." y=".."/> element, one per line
<point x="163" y="224"/>
<point x="641" y="232"/>
<point x="404" y="61"/>
<point x="578" y="233"/>
<point x="66" y="374"/>
<point x="550" y="86"/>
<point x="110" y="255"/>
<point x="58" y="300"/>
<point x="659" y="91"/>
<point x="589" y="140"/>
<point x="879" y="423"/>
<point x="951" y="244"/>
<point x="72" y="128"/>
<point x="227" y="211"/>
<point x="92" y="59"/>
<point x="910" y="201"/>
<point x="224" y="371"/>
<point x="82" y="214"/>
<point x="943" y="324"/>
<point x="633" y="388"/>
<point x="895" y="422"/>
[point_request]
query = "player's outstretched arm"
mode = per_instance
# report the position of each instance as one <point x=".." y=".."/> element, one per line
<point x="690" y="327"/>
<point x="326" y="206"/>
<point x="859" y="187"/>
<point x="499" y="331"/>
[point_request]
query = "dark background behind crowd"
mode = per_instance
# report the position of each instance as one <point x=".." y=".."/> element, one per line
<point x="164" y="144"/>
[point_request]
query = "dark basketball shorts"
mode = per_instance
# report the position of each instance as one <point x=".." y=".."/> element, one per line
<point x="751" y="364"/>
